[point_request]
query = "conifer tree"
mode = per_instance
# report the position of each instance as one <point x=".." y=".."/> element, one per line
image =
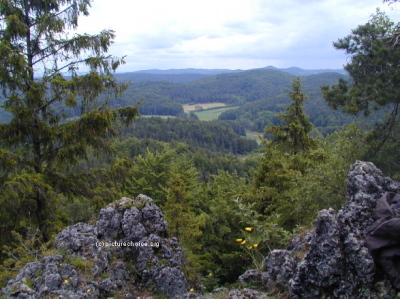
<point x="40" y="61"/>
<point x="286" y="157"/>
<point x="374" y="51"/>
<point x="292" y="136"/>
<point x="179" y="207"/>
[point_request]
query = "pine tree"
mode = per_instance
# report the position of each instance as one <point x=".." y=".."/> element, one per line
<point x="292" y="136"/>
<point x="374" y="50"/>
<point x="39" y="66"/>
<point x="288" y="154"/>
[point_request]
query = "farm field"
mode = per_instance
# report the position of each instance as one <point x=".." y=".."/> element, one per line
<point x="204" y="106"/>
<point x="162" y="116"/>
<point x="212" y="114"/>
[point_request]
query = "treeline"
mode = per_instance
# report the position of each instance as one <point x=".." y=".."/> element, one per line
<point x="256" y="115"/>
<point x="215" y="136"/>
<point x="232" y="88"/>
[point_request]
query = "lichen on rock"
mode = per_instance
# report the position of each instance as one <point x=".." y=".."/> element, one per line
<point x="125" y="252"/>
<point x="334" y="260"/>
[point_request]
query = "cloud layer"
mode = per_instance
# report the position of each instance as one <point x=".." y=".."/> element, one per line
<point x="229" y="33"/>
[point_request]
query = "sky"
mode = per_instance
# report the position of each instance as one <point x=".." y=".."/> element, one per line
<point x="230" y="34"/>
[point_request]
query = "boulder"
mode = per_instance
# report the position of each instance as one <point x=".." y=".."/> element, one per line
<point x="333" y="259"/>
<point x="124" y="253"/>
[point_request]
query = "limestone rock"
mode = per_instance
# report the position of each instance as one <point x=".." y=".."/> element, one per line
<point x="279" y="266"/>
<point x="127" y="249"/>
<point x="334" y="260"/>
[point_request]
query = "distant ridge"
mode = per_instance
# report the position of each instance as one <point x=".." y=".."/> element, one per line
<point x="189" y="71"/>
<point x="192" y="74"/>
<point x="302" y="72"/>
<point x="210" y="72"/>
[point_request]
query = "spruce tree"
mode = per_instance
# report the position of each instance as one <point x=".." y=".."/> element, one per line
<point x="288" y="154"/>
<point x="292" y="136"/>
<point x="40" y="62"/>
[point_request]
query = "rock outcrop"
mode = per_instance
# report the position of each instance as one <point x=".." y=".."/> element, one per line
<point x="126" y="252"/>
<point x="332" y="259"/>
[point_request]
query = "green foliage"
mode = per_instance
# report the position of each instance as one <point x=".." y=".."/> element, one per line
<point x="373" y="67"/>
<point x="39" y="64"/>
<point x="216" y="135"/>
<point x="179" y="206"/>
<point x="261" y="234"/>
<point x="257" y="114"/>
<point x="84" y="265"/>
<point x="374" y="85"/>
<point x="150" y="174"/>
<point x="324" y="184"/>
<point x="219" y="254"/>
<point x="22" y="250"/>
<point x="292" y="136"/>
<point x="287" y="157"/>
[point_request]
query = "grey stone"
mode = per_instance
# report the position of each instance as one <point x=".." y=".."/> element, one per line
<point x="78" y="237"/>
<point x="331" y="260"/>
<point x="167" y="280"/>
<point x="279" y="266"/>
<point x="109" y="224"/>
<point x="246" y="294"/>
<point x="135" y="251"/>
<point x="132" y="225"/>
<point x="251" y="278"/>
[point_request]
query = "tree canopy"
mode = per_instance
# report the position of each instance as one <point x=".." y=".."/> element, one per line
<point x="374" y="69"/>
<point x="39" y="65"/>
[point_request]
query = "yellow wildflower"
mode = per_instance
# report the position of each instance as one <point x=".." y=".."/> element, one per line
<point x="88" y="290"/>
<point x="255" y="245"/>
<point x="239" y="240"/>
<point x="244" y="242"/>
<point x="250" y="247"/>
<point x="191" y="290"/>
<point x="66" y="281"/>
<point x="209" y="275"/>
<point x="249" y="229"/>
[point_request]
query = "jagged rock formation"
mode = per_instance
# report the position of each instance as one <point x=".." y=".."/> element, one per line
<point x="126" y="252"/>
<point x="332" y="259"/>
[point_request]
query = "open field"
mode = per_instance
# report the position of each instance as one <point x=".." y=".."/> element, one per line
<point x="254" y="136"/>
<point x="212" y="114"/>
<point x="162" y="116"/>
<point x="188" y="108"/>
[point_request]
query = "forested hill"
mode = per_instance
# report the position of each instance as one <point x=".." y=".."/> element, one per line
<point x="255" y="115"/>
<point x="231" y="88"/>
<point x="215" y="136"/>
<point x="164" y="93"/>
<point x="137" y="77"/>
<point x="258" y="96"/>
<point x="191" y="74"/>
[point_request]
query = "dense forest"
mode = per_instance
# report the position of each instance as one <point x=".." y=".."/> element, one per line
<point x="70" y="144"/>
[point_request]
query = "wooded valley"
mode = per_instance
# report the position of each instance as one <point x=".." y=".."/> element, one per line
<point x="274" y="151"/>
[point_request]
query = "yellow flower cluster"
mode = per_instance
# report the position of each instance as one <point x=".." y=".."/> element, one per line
<point x="243" y="242"/>
<point x="253" y="246"/>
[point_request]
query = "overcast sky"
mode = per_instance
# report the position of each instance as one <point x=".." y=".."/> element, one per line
<point x="232" y="34"/>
